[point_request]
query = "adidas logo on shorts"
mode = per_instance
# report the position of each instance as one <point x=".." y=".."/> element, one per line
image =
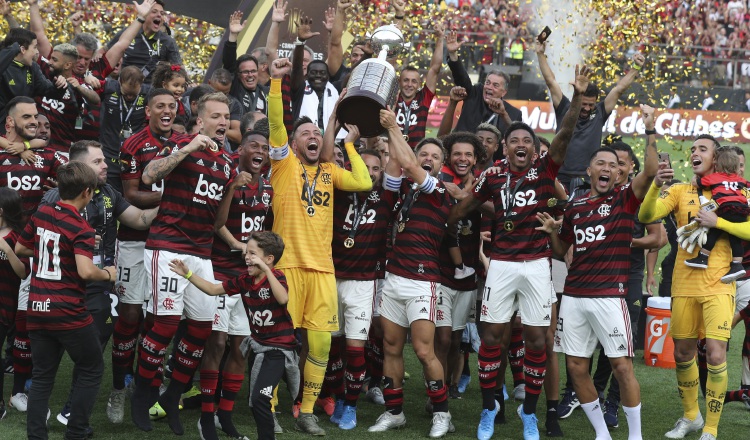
<point x="424" y="310"/>
<point x="547" y="318"/>
<point x="363" y="331"/>
<point x="267" y="391"/>
<point x="621" y="347"/>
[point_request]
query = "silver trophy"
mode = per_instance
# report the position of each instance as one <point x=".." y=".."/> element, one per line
<point x="372" y="84"/>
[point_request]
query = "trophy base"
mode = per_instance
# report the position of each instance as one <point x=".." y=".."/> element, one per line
<point x="362" y="110"/>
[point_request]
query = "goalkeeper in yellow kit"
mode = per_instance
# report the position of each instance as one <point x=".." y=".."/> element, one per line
<point x="303" y="185"/>
<point x="702" y="306"/>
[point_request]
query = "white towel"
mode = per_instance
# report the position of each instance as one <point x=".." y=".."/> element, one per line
<point x="310" y="101"/>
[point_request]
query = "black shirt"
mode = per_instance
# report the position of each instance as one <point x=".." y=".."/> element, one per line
<point x="145" y="52"/>
<point x="117" y="117"/>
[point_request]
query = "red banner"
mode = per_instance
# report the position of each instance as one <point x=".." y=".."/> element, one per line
<point x="626" y="121"/>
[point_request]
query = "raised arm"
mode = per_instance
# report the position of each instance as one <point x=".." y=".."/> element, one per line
<point x="400" y="150"/>
<point x="304" y="33"/>
<point x="460" y="76"/>
<point x="559" y="145"/>
<point x="278" y="136"/>
<point x="555" y="92"/>
<point x="437" y="58"/>
<point x="614" y="95"/>
<point x="8" y="15"/>
<point x="399" y="9"/>
<point x="278" y="16"/>
<point x="158" y="169"/>
<point x="36" y="24"/>
<point x="642" y="181"/>
<point x="115" y="53"/>
<point x="335" y="49"/>
<point x="457" y="94"/>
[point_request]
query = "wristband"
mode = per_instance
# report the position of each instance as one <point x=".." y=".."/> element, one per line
<point x="636" y="67"/>
<point x="140" y="20"/>
<point x="109" y="275"/>
<point x="299" y="42"/>
<point x="650" y="132"/>
<point x="27" y="144"/>
<point x="188" y="274"/>
<point x="398" y="18"/>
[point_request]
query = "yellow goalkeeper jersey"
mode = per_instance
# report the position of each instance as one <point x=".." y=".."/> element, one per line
<point x="682" y="199"/>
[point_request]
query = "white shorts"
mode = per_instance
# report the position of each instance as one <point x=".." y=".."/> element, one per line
<point x="454" y="307"/>
<point x="378" y="298"/>
<point x="231" y="317"/>
<point x="585" y="321"/>
<point x="742" y="296"/>
<point x="23" y="290"/>
<point x="405" y="300"/>
<point x="131" y="283"/>
<point x="559" y="273"/>
<point x="173" y="295"/>
<point x="528" y="282"/>
<point x="356" y="303"/>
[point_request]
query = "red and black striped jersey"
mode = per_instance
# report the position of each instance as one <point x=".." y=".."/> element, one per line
<point x="99" y="69"/>
<point x="413" y="115"/>
<point x="249" y="212"/>
<point x="415" y="252"/>
<point x="746" y="259"/>
<point x="270" y="322"/>
<point x="137" y="151"/>
<point x="468" y="241"/>
<point x="365" y="260"/>
<point x="29" y="180"/>
<point x="725" y="188"/>
<point x="62" y="113"/>
<point x="9" y="283"/>
<point x="192" y="192"/>
<point x="600" y="230"/>
<point x="519" y="203"/>
<point x="57" y="233"/>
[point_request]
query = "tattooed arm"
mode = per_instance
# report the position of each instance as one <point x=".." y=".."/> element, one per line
<point x="158" y="169"/>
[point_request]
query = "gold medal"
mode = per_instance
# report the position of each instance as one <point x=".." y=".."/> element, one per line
<point x="465" y="230"/>
<point x="552" y="202"/>
<point x="401" y="226"/>
<point x="311" y="211"/>
<point x="349" y="243"/>
<point x="406" y="137"/>
<point x="508" y="226"/>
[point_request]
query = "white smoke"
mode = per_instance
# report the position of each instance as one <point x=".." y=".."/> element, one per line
<point x="573" y="24"/>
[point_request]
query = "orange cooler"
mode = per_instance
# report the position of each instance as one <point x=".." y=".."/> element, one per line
<point x="658" y="351"/>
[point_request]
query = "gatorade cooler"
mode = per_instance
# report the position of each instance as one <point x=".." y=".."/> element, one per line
<point x="659" y="348"/>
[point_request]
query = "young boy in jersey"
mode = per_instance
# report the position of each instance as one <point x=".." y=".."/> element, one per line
<point x="727" y="188"/>
<point x="264" y="291"/>
<point x="62" y="244"/>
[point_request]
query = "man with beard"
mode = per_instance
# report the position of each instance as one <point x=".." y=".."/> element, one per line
<point x="519" y="269"/>
<point x="456" y="297"/>
<point x="104" y="211"/>
<point x="123" y="113"/>
<point x="359" y="238"/>
<point x="412" y="275"/>
<point x="587" y="136"/>
<point x="413" y="103"/>
<point x="594" y="309"/>
<point x="17" y="174"/>
<point x="150" y="45"/>
<point x="195" y="177"/>
<point x="483" y="102"/>
<point x="245" y="209"/>
<point x="131" y="286"/>
<point x="702" y="306"/>
<point x="65" y="114"/>
<point x="85" y="70"/>
<point x="305" y="221"/>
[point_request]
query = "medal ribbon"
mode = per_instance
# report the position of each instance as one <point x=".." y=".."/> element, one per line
<point x="310" y="188"/>
<point x="403" y="213"/>
<point x="358" y="214"/>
